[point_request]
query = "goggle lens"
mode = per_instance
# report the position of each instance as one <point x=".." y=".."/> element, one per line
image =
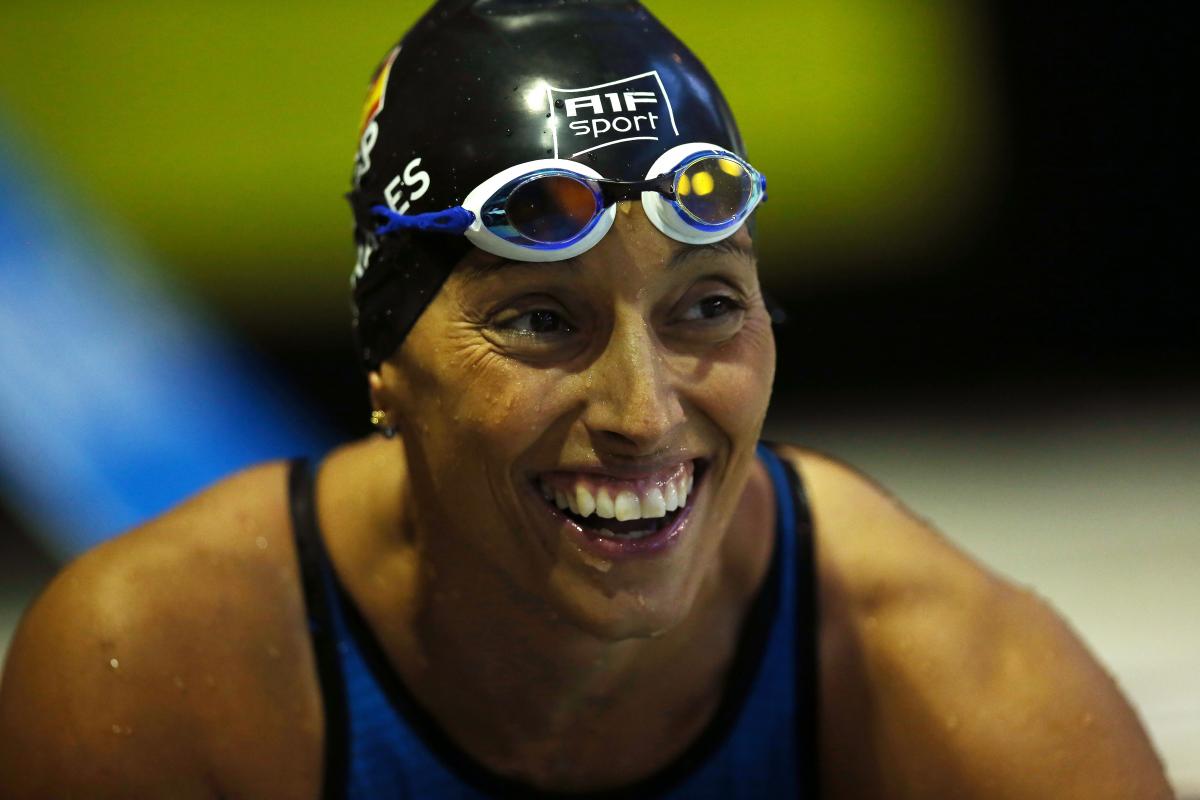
<point x="714" y="189"/>
<point x="551" y="209"/>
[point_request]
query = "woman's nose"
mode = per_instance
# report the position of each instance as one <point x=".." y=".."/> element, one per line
<point x="631" y="400"/>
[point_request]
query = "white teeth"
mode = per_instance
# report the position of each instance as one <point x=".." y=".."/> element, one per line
<point x="604" y="504"/>
<point x="628" y="506"/>
<point x="584" y="500"/>
<point x="671" y="496"/>
<point x="653" y="504"/>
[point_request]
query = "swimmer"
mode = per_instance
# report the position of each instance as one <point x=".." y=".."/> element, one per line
<point x="565" y="563"/>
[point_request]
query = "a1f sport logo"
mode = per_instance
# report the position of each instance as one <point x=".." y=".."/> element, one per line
<point x="626" y="110"/>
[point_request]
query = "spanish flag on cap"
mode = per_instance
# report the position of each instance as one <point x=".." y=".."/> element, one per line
<point x="374" y="102"/>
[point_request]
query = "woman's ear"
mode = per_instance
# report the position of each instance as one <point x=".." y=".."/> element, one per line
<point x="376" y="390"/>
<point x="381" y="413"/>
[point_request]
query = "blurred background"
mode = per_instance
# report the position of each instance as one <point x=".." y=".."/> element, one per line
<point x="974" y="226"/>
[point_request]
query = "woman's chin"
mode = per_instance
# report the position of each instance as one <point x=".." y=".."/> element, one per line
<point x="615" y="614"/>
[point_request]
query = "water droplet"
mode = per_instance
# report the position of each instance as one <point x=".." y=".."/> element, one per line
<point x="112" y="662"/>
<point x="595" y="562"/>
<point x="179" y="684"/>
<point x="547" y="115"/>
<point x="261" y="542"/>
<point x="116" y="728"/>
<point x="558" y="103"/>
<point x="508" y="131"/>
<point x="1087" y="719"/>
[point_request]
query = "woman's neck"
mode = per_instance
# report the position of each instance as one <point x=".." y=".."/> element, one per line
<point x="512" y="681"/>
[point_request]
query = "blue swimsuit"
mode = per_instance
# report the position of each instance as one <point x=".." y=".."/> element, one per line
<point x="760" y="743"/>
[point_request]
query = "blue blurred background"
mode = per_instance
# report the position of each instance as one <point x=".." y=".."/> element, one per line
<point x="974" y="225"/>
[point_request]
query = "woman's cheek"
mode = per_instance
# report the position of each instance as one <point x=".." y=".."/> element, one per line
<point x="736" y="387"/>
<point x="505" y="405"/>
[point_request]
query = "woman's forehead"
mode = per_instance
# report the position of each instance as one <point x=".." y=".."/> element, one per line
<point x="633" y="239"/>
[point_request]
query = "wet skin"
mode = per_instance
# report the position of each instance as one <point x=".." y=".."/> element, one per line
<point x="633" y="358"/>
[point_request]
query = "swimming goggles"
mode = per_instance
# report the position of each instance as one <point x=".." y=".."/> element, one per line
<point x="553" y="209"/>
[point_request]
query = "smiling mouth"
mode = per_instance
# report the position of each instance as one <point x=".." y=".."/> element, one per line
<point x="624" y="511"/>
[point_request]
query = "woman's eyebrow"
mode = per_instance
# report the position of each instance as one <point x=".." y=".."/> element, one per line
<point x="730" y="246"/>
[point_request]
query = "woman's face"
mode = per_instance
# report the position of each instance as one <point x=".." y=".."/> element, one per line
<point x="612" y="384"/>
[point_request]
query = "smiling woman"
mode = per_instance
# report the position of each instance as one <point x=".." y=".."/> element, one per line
<point x="568" y="564"/>
<point x="631" y="383"/>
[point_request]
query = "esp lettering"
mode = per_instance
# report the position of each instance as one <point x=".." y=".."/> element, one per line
<point x="415" y="182"/>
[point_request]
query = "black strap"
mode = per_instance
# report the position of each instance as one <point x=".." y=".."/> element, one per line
<point x="808" y="690"/>
<point x="316" y="580"/>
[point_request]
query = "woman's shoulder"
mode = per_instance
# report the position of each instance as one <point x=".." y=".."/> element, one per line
<point x="202" y="554"/>
<point x="943" y="676"/>
<point x="151" y="652"/>
<point x="880" y="548"/>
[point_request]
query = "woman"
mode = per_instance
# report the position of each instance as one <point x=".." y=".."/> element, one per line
<point x="567" y="564"/>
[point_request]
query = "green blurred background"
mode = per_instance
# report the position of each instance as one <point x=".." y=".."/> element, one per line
<point x="220" y="134"/>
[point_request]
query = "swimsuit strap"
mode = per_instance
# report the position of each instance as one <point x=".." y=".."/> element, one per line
<point x="794" y="510"/>
<point x="316" y="577"/>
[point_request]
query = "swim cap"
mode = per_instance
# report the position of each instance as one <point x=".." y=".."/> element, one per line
<point x="478" y="86"/>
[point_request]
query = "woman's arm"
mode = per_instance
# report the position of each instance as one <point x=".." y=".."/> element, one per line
<point x="173" y="661"/>
<point x="80" y="715"/>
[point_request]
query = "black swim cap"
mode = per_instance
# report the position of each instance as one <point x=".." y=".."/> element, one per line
<point x="478" y="86"/>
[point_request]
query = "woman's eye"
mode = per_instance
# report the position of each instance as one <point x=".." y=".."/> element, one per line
<point x="713" y="307"/>
<point x="539" y="322"/>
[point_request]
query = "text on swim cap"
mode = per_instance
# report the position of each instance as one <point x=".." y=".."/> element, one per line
<point x="624" y="110"/>
<point x="393" y="193"/>
<point x="362" y="159"/>
<point x="598" y="126"/>
<point x="593" y="101"/>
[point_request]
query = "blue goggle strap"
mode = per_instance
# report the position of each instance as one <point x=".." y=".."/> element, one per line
<point x="454" y="221"/>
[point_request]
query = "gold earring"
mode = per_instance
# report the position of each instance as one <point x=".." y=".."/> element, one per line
<point x="379" y="420"/>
